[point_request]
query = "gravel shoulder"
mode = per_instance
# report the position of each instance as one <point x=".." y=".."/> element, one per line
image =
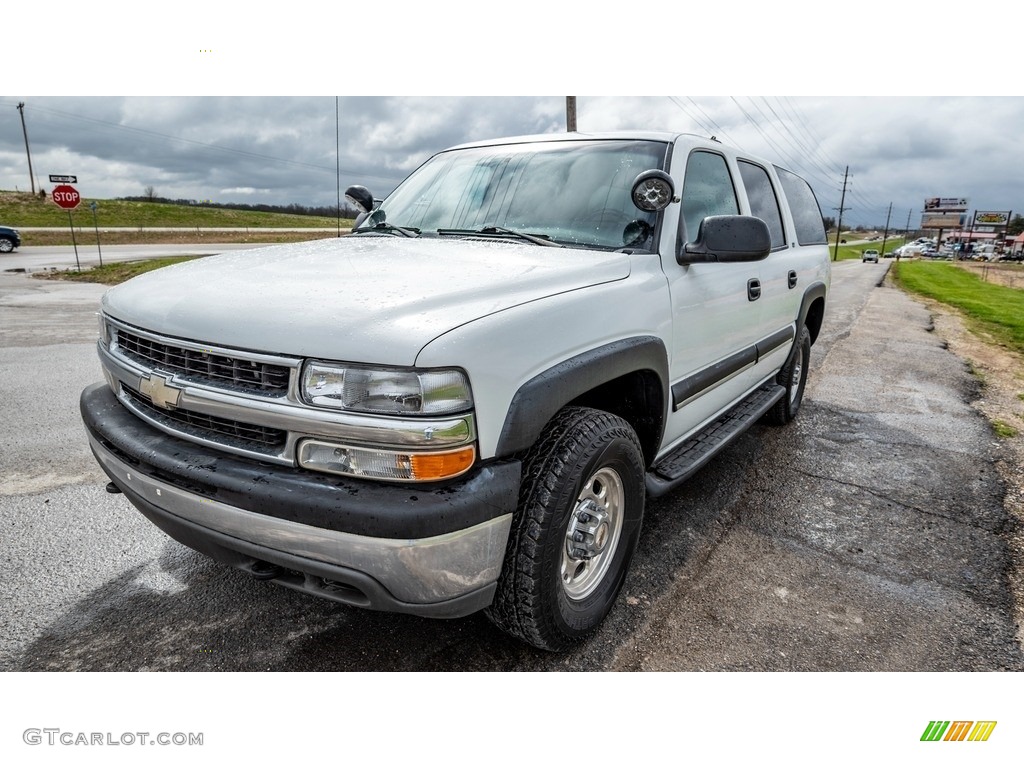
<point x="1000" y="398"/>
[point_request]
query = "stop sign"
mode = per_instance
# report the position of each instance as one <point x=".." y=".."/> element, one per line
<point x="66" y="196"/>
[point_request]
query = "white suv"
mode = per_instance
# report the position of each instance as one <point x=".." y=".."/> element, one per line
<point x="869" y="255"/>
<point x="464" y="404"/>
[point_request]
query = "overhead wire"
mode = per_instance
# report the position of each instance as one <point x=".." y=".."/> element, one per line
<point x="146" y="133"/>
<point x="789" y="135"/>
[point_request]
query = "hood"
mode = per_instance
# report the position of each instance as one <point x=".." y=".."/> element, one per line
<point x="358" y="299"/>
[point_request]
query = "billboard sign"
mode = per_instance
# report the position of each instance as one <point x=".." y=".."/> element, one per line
<point x="992" y="218"/>
<point x="942" y="220"/>
<point x="945" y="204"/>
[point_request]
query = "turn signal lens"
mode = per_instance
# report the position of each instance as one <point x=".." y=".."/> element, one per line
<point x="436" y="466"/>
<point x="382" y="464"/>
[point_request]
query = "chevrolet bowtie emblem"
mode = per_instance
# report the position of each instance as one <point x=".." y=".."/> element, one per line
<point x="158" y="389"/>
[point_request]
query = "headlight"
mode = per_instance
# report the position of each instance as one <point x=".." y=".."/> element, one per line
<point x="398" y="391"/>
<point x="104" y="328"/>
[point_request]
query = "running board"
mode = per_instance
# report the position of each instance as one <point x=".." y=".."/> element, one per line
<point x="693" y="454"/>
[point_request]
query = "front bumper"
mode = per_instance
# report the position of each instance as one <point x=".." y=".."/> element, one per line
<point x="431" y="551"/>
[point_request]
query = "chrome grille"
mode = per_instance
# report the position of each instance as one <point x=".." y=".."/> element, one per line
<point x="249" y="437"/>
<point x="205" y="367"/>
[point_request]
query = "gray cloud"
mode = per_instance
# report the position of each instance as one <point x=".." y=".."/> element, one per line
<point x="282" y="149"/>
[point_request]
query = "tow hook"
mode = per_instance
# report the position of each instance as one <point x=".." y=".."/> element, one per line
<point x="264" y="571"/>
<point x="111" y="487"/>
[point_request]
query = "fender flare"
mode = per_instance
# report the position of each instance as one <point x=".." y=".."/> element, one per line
<point x="815" y="291"/>
<point x="540" y="398"/>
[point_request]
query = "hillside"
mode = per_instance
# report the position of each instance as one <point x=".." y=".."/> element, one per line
<point x="22" y="211"/>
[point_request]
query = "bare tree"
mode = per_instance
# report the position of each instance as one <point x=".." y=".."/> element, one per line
<point x="150" y="192"/>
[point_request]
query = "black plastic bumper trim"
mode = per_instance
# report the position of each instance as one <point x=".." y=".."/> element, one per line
<point x="339" y="504"/>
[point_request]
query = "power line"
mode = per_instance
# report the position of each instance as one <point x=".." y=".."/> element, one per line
<point x="720" y="130"/>
<point x="814" y="140"/>
<point x="704" y="128"/>
<point x="146" y="133"/>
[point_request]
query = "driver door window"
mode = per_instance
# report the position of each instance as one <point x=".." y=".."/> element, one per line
<point x="707" y="191"/>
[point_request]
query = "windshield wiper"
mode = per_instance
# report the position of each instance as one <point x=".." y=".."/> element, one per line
<point x="390" y="228"/>
<point x="493" y="230"/>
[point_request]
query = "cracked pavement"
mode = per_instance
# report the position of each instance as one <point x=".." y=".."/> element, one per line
<point x="871" y="533"/>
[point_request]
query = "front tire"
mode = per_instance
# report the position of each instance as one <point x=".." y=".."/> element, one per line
<point x="6" y="245"/>
<point x="574" y="533"/>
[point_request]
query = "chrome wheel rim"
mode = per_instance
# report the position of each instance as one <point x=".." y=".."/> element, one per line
<point x="592" y="535"/>
<point x="798" y="369"/>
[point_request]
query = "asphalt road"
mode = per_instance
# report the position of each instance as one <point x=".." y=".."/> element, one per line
<point x="37" y="258"/>
<point x="868" y="535"/>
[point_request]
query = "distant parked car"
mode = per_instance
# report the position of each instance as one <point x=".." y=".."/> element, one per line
<point x="869" y="255"/>
<point x="9" y="239"/>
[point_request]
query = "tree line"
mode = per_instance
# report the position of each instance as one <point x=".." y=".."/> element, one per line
<point x="346" y="212"/>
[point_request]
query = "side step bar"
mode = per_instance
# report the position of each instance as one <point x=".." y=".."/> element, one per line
<point x="693" y="454"/>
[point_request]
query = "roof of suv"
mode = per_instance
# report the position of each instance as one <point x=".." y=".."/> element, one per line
<point x="578" y="136"/>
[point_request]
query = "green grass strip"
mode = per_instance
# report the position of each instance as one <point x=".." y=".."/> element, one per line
<point x="112" y="274"/>
<point x="997" y="309"/>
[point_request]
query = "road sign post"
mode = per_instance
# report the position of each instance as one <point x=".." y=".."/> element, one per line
<point x="67" y="197"/>
<point x="96" y="226"/>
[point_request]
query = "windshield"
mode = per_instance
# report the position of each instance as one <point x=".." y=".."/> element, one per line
<point x="574" y="193"/>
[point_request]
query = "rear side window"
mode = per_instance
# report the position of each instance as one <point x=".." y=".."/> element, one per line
<point x="810" y="230"/>
<point x="763" y="202"/>
<point x="707" y="191"/>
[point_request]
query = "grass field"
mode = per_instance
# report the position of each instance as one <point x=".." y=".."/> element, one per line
<point x="112" y="274"/>
<point x="995" y="309"/>
<point x="19" y="209"/>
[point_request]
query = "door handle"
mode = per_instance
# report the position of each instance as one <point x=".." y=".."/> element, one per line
<point x="753" y="289"/>
<point x="792" y="278"/>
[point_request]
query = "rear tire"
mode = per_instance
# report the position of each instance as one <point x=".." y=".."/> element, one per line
<point x="574" y="533"/>
<point x="793" y="377"/>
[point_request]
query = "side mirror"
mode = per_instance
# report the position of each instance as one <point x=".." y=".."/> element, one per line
<point x="360" y="197"/>
<point x="728" y="238"/>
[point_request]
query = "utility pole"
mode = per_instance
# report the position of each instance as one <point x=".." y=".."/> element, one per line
<point x="839" y="224"/>
<point x="970" y="236"/>
<point x="885" y="234"/>
<point x="906" y="233"/>
<point x="570" y="114"/>
<point x="31" y="176"/>
<point x="337" y="155"/>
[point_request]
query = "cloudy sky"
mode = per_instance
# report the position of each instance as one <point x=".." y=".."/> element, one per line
<point x="197" y="141"/>
<point x="899" y="150"/>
